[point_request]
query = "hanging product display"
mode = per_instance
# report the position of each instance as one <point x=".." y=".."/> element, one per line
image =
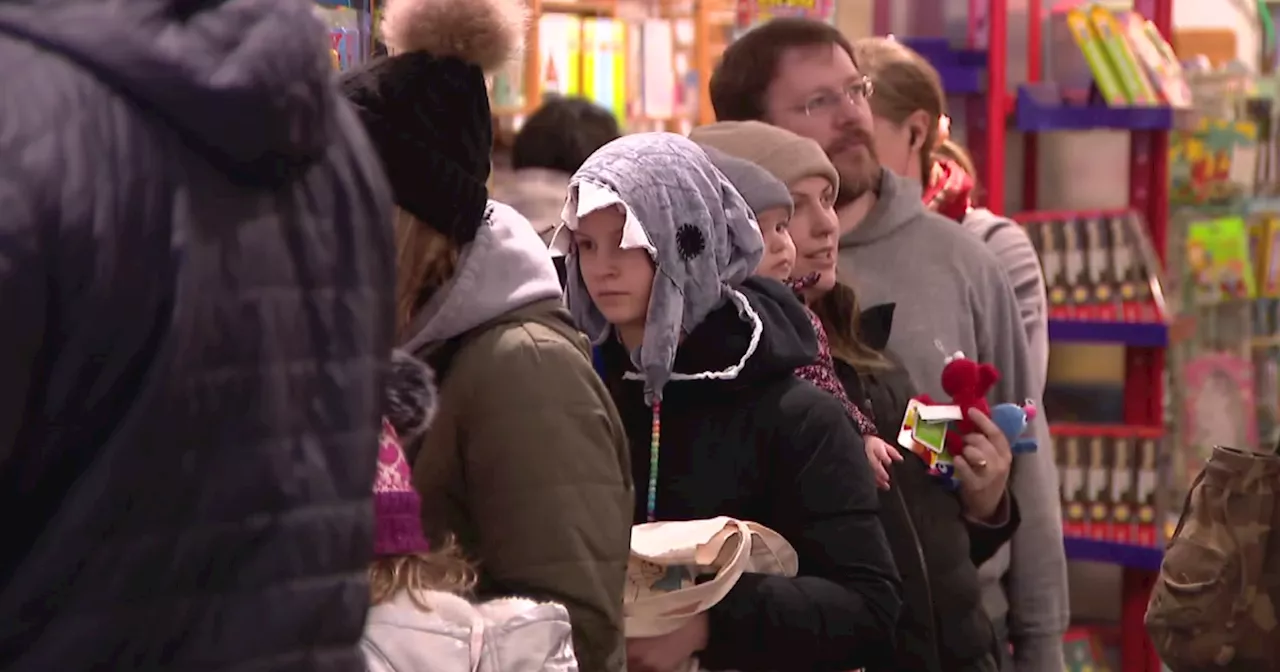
<point x="1219" y="264"/>
<point x="1109" y="486"/>
<point x="1213" y="163"/>
<point x="1099" y="266"/>
<point x="1218" y="410"/>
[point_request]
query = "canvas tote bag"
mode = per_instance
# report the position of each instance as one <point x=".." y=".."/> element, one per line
<point x="679" y="569"/>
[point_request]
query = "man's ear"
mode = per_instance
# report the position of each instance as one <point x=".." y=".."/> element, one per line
<point x="917" y="124"/>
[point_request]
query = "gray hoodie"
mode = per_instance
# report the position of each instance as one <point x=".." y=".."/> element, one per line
<point x="954" y="294"/>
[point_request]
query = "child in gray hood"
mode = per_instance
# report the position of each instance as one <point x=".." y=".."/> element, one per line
<point x="699" y="358"/>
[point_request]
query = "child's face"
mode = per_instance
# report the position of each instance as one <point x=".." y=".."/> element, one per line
<point x="779" y="252"/>
<point x="814" y="230"/>
<point x="618" y="280"/>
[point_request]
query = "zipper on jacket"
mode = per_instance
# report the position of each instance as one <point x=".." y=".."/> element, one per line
<point x="924" y="575"/>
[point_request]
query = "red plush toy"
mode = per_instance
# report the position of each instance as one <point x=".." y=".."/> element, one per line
<point x="968" y="383"/>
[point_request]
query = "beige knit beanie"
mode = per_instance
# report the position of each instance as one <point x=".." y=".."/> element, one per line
<point x="789" y="157"/>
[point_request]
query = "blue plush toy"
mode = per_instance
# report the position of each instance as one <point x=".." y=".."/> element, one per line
<point x="1012" y="420"/>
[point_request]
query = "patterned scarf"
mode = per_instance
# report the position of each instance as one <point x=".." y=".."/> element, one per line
<point x="822" y="372"/>
<point x="950" y="190"/>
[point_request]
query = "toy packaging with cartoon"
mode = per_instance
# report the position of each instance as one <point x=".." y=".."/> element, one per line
<point x="935" y="431"/>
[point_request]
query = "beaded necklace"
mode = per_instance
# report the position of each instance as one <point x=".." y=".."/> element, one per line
<point x="655" y="440"/>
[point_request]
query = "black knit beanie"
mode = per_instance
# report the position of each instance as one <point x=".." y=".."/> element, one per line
<point x="426" y="107"/>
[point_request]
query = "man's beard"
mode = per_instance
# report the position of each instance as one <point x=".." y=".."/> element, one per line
<point x="856" y="181"/>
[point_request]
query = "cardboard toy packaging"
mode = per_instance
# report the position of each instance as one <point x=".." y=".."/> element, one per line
<point x="1147" y="532"/>
<point x="1074" y="494"/>
<point x="1098" y="490"/>
<point x="1123" y="490"/>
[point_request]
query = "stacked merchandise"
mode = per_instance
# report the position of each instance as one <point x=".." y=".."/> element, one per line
<point x="1098" y="266"/>
<point x="1121" y="53"/>
<point x="749" y="13"/>
<point x="1225" y="273"/>
<point x="350" y="32"/>
<point x="1090" y="649"/>
<point x="631" y="67"/>
<point x="1109" y="487"/>
<point x="1102" y="267"/>
<point x="584" y="56"/>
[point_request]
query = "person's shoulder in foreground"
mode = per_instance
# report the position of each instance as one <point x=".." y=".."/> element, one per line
<point x="198" y="316"/>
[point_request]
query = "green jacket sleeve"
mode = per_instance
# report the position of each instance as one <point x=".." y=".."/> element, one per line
<point x="548" y="485"/>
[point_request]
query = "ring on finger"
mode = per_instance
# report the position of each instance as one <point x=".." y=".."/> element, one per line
<point x="980" y="464"/>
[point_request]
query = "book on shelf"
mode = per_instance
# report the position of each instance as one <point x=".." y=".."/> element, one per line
<point x="560" y="54"/>
<point x="604" y="64"/>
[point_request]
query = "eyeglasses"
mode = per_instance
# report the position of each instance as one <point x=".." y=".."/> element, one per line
<point x="829" y="101"/>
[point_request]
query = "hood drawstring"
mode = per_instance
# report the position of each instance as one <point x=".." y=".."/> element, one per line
<point x="655" y="441"/>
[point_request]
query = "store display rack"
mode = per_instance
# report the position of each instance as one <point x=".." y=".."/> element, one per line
<point x="599" y="49"/>
<point x="963" y="71"/>
<point x="1037" y="107"/>
<point x="1038" y="112"/>
<point x="1103" y="277"/>
<point x="1129" y="334"/>
<point x="1140" y="558"/>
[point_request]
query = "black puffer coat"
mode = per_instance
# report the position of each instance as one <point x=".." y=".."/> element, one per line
<point x="195" y="292"/>
<point x="943" y="627"/>
<point x="768" y="447"/>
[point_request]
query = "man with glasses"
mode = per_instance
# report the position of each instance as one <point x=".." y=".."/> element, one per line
<point x="952" y="295"/>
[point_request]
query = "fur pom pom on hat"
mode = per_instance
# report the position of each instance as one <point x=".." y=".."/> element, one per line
<point x="410" y="397"/>
<point x="410" y="405"/>
<point x="426" y="106"/>
<point x="487" y="33"/>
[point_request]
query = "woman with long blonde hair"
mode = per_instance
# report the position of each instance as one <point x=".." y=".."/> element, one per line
<point x="912" y="138"/>
<point x="525" y="464"/>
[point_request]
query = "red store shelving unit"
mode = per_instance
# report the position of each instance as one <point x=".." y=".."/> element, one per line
<point x="1144" y="342"/>
<point x="1036" y="108"/>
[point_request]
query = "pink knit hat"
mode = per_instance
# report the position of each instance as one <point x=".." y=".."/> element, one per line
<point x="396" y="506"/>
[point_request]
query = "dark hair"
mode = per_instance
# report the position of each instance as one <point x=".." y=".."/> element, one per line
<point x="749" y="64"/>
<point x="562" y="133"/>
<point x="838" y="310"/>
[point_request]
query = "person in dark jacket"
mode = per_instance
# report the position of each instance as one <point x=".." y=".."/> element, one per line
<point x="936" y="548"/>
<point x="700" y="359"/>
<point x="197" y="319"/>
